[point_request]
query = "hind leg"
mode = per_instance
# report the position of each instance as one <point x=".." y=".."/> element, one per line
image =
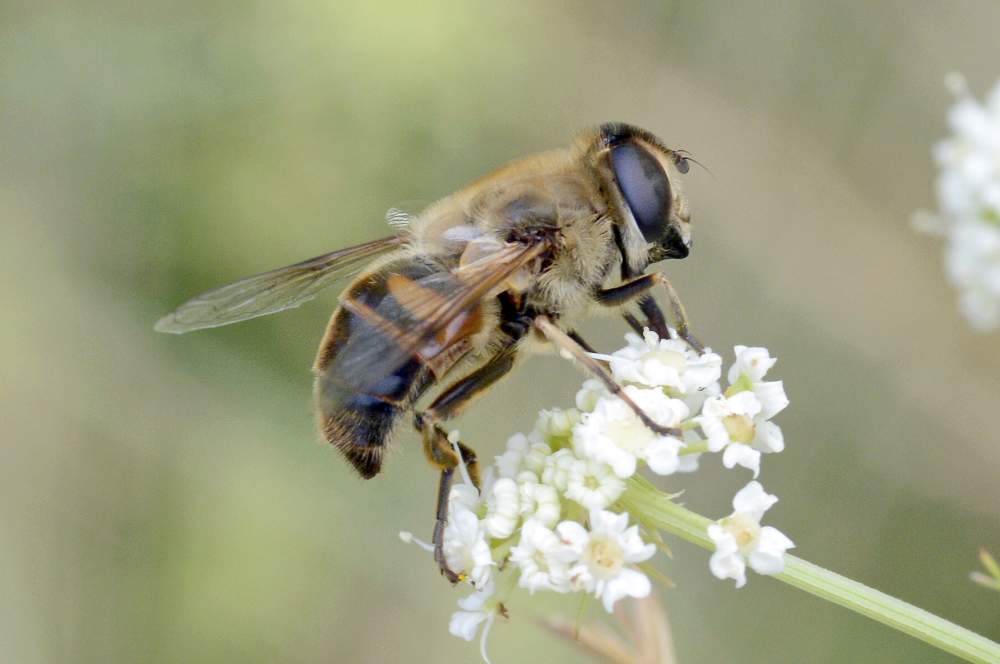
<point x="440" y="451"/>
<point x="441" y="454"/>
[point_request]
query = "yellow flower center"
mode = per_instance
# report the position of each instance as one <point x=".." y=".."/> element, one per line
<point x="744" y="529"/>
<point x="605" y="556"/>
<point x="740" y="428"/>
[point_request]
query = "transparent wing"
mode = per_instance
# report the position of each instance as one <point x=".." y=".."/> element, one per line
<point x="426" y="319"/>
<point x="274" y="291"/>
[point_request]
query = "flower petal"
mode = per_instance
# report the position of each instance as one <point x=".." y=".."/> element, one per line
<point x="573" y="534"/>
<point x="628" y="583"/>
<point x="769" y="437"/>
<point x="728" y="566"/>
<point x="661" y="455"/>
<point x="464" y="624"/>
<point x="752" y="499"/>
<point x="772" y="398"/>
<point x="744" y="403"/>
<point x="774" y="541"/>
<point x="742" y="455"/>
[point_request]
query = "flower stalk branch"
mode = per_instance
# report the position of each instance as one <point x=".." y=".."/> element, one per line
<point x="659" y="511"/>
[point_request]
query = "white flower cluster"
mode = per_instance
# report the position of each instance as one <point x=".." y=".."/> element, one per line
<point x="968" y="192"/>
<point x="549" y="510"/>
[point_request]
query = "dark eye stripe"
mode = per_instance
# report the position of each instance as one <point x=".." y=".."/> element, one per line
<point x="645" y="188"/>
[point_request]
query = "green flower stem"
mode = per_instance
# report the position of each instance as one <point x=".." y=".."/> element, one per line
<point x="656" y="509"/>
<point x="694" y="448"/>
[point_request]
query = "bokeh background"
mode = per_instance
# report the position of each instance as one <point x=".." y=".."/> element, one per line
<point x="165" y="499"/>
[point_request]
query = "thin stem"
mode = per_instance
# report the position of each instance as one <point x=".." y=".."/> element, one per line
<point x="694" y="448"/>
<point x="656" y="509"/>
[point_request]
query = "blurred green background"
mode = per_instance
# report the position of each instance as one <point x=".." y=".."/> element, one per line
<point x="165" y="499"/>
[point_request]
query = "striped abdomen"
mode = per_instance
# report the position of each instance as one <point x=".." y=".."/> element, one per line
<point x="360" y="398"/>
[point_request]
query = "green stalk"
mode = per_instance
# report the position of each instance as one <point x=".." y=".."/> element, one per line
<point x="656" y="509"/>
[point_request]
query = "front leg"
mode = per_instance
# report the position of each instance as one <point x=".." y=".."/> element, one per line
<point x="563" y="341"/>
<point x="639" y="288"/>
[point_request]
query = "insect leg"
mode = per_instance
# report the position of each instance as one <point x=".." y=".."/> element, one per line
<point x="654" y="318"/>
<point x="439" y="449"/>
<point x="680" y="315"/>
<point x="583" y="344"/>
<point x="447" y="461"/>
<point x="636" y="324"/>
<point x="639" y="289"/>
<point x="460" y="394"/>
<point x="563" y="342"/>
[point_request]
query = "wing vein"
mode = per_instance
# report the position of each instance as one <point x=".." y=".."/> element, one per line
<point x="273" y="291"/>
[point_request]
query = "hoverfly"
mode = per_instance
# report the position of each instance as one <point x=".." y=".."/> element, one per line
<point x="512" y="261"/>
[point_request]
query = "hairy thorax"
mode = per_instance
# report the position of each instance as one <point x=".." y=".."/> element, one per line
<point x="548" y="197"/>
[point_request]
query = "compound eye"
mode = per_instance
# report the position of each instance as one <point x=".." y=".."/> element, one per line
<point x="645" y="188"/>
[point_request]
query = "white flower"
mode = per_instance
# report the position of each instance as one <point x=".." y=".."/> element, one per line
<point x="754" y="363"/>
<point x="523" y="453"/>
<point x="464" y="624"/>
<point x="604" y="555"/>
<point x="555" y="426"/>
<point x="613" y="434"/>
<point x="503" y="508"/>
<point x="498" y="503"/>
<point x="534" y="458"/>
<point x="655" y="362"/>
<point x="968" y="192"/>
<point x="739" y="538"/>
<point x="968" y="159"/>
<point x="735" y="424"/>
<point x="475" y="610"/>
<point x="593" y="484"/>
<point x="589" y="394"/>
<point x="539" y="502"/>
<point x="466" y="549"/>
<point x="750" y="362"/>
<point x="555" y="472"/>
<point x="972" y="260"/>
<point x="543" y="559"/>
<point x="509" y="463"/>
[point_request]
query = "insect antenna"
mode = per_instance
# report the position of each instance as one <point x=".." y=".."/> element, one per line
<point x="686" y="156"/>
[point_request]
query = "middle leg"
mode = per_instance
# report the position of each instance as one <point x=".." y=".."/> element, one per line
<point x="442" y="453"/>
